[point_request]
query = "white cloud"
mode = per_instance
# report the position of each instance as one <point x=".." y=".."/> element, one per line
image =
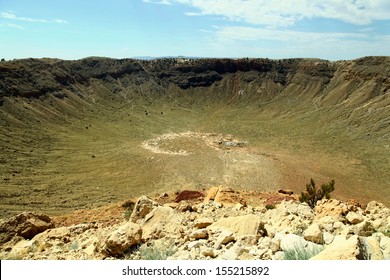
<point x="60" y="21"/>
<point x="12" y="16"/>
<point x="12" y="25"/>
<point x="230" y="41"/>
<point x="287" y="13"/>
<point x="160" y="2"/>
<point x="283" y="35"/>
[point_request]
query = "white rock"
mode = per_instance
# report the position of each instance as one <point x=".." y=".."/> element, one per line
<point x="199" y="234"/>
<point x="342" y="248"/>
<point x="354" y="218"/>
<point x="203" y="222"/>
<point x="241" y="225"/>
<point x="328" y="237"/>
<point x="162" y="221"/>
<point x="314" y="234"/>
<point x="123" y="238"/>
<point x="224" y="238"/>
<point x="292" y="241"/>
<point x="142" y="207"/>
<point x="271" y="231"/>
<point x="385" y="246"/>
<point x="195" y="244"/>
<point x="265" y="242"/>
<point x="278" y="255"/>
<point x="372" y="250"/>
<point x="208" y="252"/>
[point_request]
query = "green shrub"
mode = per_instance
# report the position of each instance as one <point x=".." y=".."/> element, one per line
<point x="270" y="206"/>
<point x="312" y="194"/>
<point x="156" y="251"/>
<point x="300" y="252"/>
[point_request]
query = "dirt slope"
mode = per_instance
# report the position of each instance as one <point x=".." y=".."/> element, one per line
<point x="71" y="132"/>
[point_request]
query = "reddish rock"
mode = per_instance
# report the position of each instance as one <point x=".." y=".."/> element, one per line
<point x="189" y="195"/>
<point x="26" y="225"/>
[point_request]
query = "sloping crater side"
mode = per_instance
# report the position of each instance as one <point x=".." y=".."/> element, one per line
<point x="71" y="132"/>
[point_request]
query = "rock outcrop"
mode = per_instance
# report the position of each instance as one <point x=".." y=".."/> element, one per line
<point x="210" y="230"/>
<point x="25" y="225"/>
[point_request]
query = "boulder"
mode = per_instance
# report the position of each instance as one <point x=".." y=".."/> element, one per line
<point x="122" y="239"/>
<point x="239" y="226"/>
<point x="289" y="217"/>
<point x="331" y="208"/>
<point x="142" y="207"/>
<point x="342" y="248"/>
<point x="224" y="238"/>
<point x="211" y="193"/>
<point x="195" y="244"/>
<point x="188" y="195"/>
<point x="314" y="234"/>
<point x="291" y="241"/>
<point x="371" y="248"/>
<point x="385" y="247"/>
<point x="379" y="216"/>
<point x="286" y="191"/>
<point x="227" y="197"/>
<point x="328" y="238"/>
<point x="162" y="221"/>
<point x="208" y="252"/>
<point x="354" y="218"/>
<point x="199" y="234"/>
<point x="203" y="222"/>
<point x="26" y="225"/>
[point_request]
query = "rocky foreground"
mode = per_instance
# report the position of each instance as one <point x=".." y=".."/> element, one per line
<point x="217" y="224"/>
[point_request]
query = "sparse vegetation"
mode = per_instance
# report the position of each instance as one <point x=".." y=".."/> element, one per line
<point x="270" y="206"/>
<point x="312" y="194"/>
<point x="157" y="251"/>
<point x="301" y="252"/>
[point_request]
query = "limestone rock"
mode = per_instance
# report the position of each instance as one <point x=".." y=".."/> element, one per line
<point x="224" y="196"/>
<point x="314" y="234"/>
<point x="162" y="221"/>
<point x="224" y="238"/>
<point x="371" y="249"/>
<point x="211" y="193"/>
<point x="208" y="252"/>
<point x="227" y="196"/>
<point x="328" y="237"/>
<point x="240" y="226"/>
<point x="199" y="234"/>
<point x="278" y="255"/>
<point x="142" y="207"/>
<point x="26" y="225"/>
<point x="331" y="208"/>
<point x="289" y="216"/>
<point x="385" y="247"/>
<point x="203" y="222"/>
<point x="354" y="218"/>
<point x="292" y="241"/>
<point x="342" y="248"/>
<point x="123" y="238"/>
<point x="195" y="244"/>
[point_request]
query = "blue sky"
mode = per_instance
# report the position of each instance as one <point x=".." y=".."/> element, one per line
<point x="72" y="29"/>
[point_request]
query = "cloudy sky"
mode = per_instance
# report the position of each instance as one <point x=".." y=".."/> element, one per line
<point x="72" y="29"/>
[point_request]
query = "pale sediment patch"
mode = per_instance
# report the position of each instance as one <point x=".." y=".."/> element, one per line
<point x="211" y="140"/>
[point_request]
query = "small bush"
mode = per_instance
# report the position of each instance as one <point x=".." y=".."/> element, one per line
<point x="312" y="194"/>
<point x="300" y="252"/>
<point x="157" y="251"/>
<point x="270" y="206"/>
